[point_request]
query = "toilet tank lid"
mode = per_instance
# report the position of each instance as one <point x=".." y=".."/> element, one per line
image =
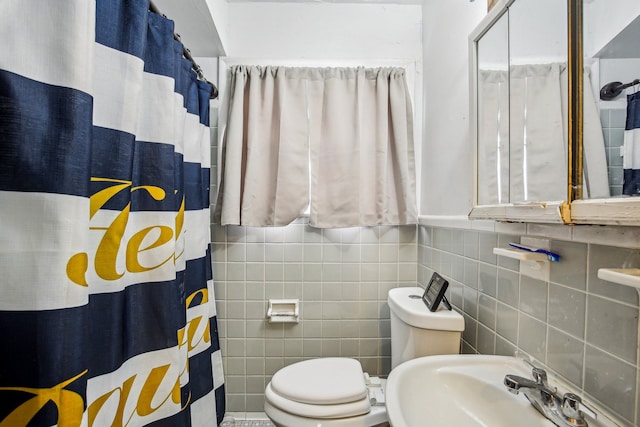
<point x="322" y="381"/>
<point x="414" y="312"/>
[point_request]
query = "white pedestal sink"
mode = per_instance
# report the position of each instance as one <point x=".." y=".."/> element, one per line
<point x="462" y="391"/>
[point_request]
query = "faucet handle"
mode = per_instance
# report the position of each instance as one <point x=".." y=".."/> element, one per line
<point x="573" y="409"/>
<point x="539" y="375"/>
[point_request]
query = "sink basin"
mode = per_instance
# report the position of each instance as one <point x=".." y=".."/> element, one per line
<point x="461" y="391"/>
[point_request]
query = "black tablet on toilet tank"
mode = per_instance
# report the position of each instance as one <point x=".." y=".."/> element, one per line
<point x="434" y="292"/>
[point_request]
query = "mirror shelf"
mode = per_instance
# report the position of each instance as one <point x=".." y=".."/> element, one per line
<point x="540" y="212"/>
<point x="616" y="211"/>
<point x="622" y="212"/>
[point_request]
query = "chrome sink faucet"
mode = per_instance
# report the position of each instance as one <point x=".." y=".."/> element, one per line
<point x="565" y="411"/>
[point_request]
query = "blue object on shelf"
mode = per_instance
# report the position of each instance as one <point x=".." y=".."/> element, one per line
<point x="551" y="255"/>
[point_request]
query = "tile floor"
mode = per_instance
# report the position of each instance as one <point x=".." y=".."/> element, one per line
<point x="246" y="419"/>
<point x="246" y="423"/>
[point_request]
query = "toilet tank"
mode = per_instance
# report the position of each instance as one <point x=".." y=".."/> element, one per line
<point x="416" y="331"/>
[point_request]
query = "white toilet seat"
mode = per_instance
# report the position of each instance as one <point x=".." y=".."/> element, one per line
<point x="327" y="392"/>
<point x="323" y="381"/>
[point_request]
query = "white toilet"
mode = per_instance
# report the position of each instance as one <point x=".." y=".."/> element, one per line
<point x="334" y="391"/>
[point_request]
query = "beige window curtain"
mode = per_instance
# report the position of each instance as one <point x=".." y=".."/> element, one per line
<point x="340" y="139"/>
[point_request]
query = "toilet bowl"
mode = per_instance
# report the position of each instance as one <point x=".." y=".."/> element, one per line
<point x="335" y="392"/>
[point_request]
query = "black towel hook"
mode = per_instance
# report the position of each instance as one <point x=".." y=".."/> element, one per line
<point x="614" y="89"/>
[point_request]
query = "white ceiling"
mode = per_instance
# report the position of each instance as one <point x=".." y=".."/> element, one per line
<point x="194" y="24"/>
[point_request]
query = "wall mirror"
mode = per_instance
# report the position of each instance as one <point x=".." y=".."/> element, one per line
<point x="549" y="148"/>
<point x="611" y="116"/>
<point x="519" y="94"/>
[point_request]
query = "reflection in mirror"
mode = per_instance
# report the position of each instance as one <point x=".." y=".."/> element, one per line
<point x="538" y="101"/>
<point x="493" y="114"/>
<point x="612" y="54"/>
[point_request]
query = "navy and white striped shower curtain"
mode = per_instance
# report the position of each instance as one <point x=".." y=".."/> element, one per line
<point x="631" y="159"/>
<point x="107" y="312"/>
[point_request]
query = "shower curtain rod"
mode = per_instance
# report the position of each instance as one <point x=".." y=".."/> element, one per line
<point x="187" y="54"/>
<point x="613" y="89"/>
